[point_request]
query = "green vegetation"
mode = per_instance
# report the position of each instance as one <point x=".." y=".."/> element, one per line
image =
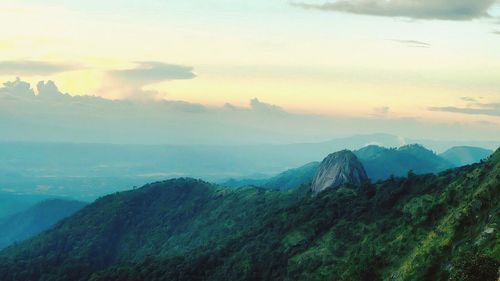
<point x="34" y="220"/>
<point x="418" y="227"/>
<point x="12" y="203"/>
<point x="293" y="178"/>
<point x="381" y="162"/>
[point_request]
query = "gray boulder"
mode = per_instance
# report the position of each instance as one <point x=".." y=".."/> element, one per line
<point x="337" y="169"/>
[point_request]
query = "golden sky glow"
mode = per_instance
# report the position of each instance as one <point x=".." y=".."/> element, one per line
<point x="302" y="60"/>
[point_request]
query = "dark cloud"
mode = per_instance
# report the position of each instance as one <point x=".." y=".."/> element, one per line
<point x="413" y="43"/>
<point x="496" y="32"/>
<point x="27" y="67"/>
<point x="416" y="9"/>
<point x="491" y="109"/>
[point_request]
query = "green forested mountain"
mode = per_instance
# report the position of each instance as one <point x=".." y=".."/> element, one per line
<point x="12" y="203"/>
<point x="293" y="178"/>
<point x="36" y="219"/>
<point x="381" y="163"/>
<point x="419" y="227"/>
<point x="286" y="180"/>
<point x="465" y="155"/>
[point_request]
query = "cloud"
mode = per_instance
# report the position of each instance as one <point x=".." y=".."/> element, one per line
<point x="382" y="111"/>
<point x="496" y="32"/>
<point x="49" y="90"/>
<point x="17" y="88"/>
<point x="491" y="109"/>
<point x="257" y="105"/>
<point x="415" y="9"/>
<point x="184" y="106"/>
<point x="469" y="99"/>
<point x="99" y="120"/>
<point x="130" y="83"/>
<point x="486" y="123"/>
<point x="150" y="72"/>
<point x="414" y="43"/>
<point x="27" y="68"/>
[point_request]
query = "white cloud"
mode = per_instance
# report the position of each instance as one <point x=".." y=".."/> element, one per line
<point x="53" y="116"/>
<point x="131" y="83"/>
<point x="27" y="67"/>
<point x="417" y="9"/>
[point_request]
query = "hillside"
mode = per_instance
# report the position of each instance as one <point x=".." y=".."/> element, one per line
<point x="293" y="178"/>
<point x="380" y="162"/>
<point x="36" y="219"/>
<point x="465" y="155"/>
<point x="12" y="203"/>
<point x="286" y="180"/>
<point x="428" y="227"/>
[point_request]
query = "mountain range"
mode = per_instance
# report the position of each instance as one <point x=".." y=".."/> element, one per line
<point x="88" y="171"/>
<point x="420" y="227"/>
<point x="12" y="202"/>
<point x="36" y="219"/>
<point x="379" y="162"/>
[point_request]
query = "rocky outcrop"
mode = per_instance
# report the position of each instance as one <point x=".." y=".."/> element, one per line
<point x="337" y="169"/>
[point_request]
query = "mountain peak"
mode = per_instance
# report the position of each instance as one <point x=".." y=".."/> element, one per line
<point x="338" y="168"/>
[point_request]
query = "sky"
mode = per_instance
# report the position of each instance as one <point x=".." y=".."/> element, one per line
<point x="435" y="63"/>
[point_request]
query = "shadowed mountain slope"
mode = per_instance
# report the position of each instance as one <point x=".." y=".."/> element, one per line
<point x="36" y="219"/>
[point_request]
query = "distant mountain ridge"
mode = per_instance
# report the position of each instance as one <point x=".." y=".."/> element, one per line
<point x="87" y="171"/>
<point x="379" y="163"/>
<point x="465" y="155"/>
<point x="286" y="180"/>
<point x="43" y="215"/>
<point x="12" y="203"/>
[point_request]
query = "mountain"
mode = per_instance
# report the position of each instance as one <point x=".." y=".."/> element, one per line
<point x="421" y="227"/>
<point x="286" y="180"/>
<point x="293" y="178"/>
<point x="36" y="219"/>
<point x="86" y="171"/>
<point x="465" y="155"/>
<point x="11" y="203"/>
<point x="337" y="169"/>
<point x="381" y="163"/>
